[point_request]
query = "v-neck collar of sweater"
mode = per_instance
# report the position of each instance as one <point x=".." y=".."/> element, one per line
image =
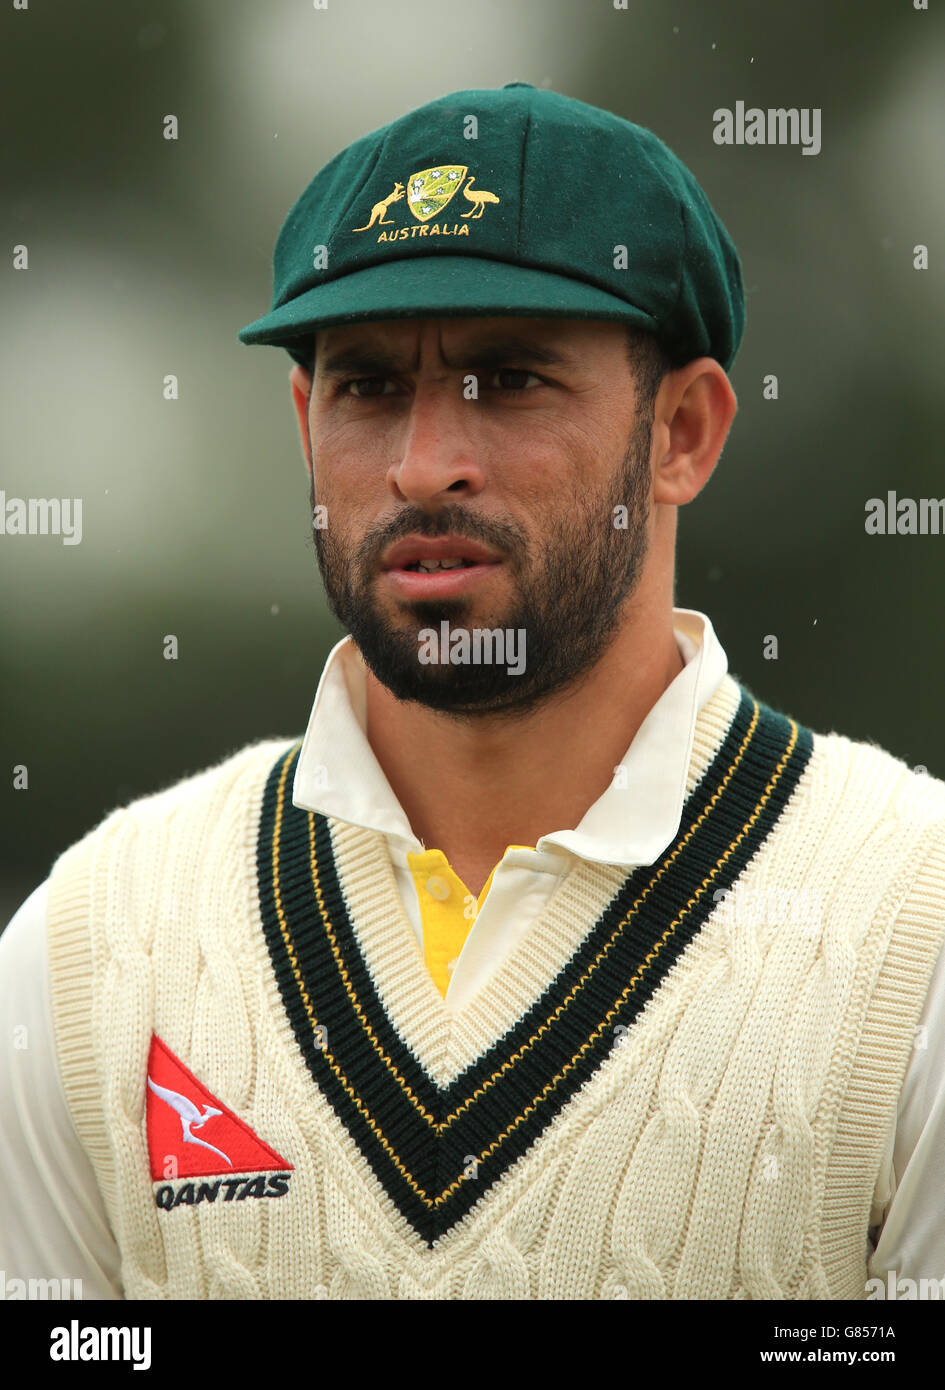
<point x="421" y="1091"/>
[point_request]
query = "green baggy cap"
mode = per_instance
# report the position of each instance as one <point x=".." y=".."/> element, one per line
<point x="514" y="201"/>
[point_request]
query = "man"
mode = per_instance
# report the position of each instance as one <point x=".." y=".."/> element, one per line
<point x="551" y="962"/>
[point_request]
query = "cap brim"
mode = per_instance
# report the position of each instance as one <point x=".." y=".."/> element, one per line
<point x="439" y="285"/>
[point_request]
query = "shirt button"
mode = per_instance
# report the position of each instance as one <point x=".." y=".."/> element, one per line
<point x="437" y="888"/>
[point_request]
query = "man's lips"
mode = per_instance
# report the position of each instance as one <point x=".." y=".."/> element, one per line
<point x="409" y="552"/>
<point x="478" y="564"/>
<point x="438" y="583"/>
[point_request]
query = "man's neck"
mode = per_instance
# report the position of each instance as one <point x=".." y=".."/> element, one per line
<point x="472" y="787"/>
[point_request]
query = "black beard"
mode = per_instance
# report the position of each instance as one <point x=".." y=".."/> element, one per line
<point x="570" y="597"/>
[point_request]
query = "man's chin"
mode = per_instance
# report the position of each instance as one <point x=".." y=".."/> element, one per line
<point x="462" y="689"/>
<point x="408" y="651"/>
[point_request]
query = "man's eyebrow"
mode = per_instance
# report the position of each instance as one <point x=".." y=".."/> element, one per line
<point x="499" y="351"/>
<point x="359" y="361"/>
<point x="496" y="352"/>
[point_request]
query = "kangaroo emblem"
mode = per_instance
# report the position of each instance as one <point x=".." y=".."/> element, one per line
<point x="380" y="208"/>
<point x="189" y="1116"/>
<point x="478" y="197"/>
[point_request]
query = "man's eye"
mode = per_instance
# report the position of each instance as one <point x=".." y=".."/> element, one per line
<point x="365" y="381"/>
<point x="513" y="379"/>
<point x="516" y="378"/>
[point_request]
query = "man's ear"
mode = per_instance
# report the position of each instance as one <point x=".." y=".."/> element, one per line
<point x="301" y="383"/>
<point x="692" y="415"/>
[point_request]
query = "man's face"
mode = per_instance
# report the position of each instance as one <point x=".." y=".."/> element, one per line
<point x="520" y="435"/>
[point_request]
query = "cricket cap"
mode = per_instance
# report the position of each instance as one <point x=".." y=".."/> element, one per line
<point x="511" y="201"/>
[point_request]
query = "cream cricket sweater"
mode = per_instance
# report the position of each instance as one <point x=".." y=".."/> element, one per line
<point x="679" y="1084"/>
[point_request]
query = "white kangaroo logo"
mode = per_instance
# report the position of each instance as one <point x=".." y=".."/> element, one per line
<point x="189" y="1116"/>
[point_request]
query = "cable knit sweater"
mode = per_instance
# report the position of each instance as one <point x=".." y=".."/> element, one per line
<point x="679" y="1084"/>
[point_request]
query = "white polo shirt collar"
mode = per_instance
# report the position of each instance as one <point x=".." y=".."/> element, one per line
<point x="631" y="823"/>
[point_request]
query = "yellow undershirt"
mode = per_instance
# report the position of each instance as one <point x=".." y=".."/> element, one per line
<point x="447" y="910"/>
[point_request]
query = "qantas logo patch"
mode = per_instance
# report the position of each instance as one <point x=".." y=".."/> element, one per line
<point x="192" y="1134"/>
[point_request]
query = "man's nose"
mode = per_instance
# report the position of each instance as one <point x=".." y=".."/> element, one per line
<point x="439" y="449"/>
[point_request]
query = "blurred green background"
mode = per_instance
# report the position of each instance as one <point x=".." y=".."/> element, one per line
<point x="147" y="256"/>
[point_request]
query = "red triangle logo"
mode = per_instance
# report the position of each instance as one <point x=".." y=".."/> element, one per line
<point x="191" y="1134"/>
